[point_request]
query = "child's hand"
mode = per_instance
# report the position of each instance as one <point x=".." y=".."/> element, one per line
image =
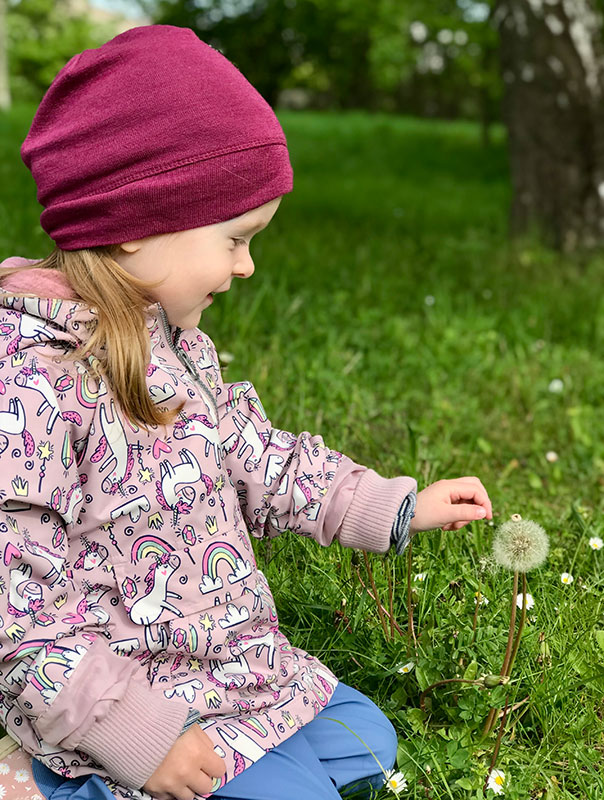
<point x="451" y="504"/>
<point x="187" y="769"/>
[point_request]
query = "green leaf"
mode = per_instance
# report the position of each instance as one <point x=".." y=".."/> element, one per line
<point x="535" y="481"/>
<point x="460" y="759"/>
<point x="464" y="783"/>
<point x="485" y="446"/>
<point x="471" y="671"/>
<point x="599" y="634"/>
<point x="421" y="677"/>
<point x="416" y="718"/>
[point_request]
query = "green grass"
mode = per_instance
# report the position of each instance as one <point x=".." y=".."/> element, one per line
<point x="334" y="332"/>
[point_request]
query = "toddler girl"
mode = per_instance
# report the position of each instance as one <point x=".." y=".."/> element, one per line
<point x="140" y="650"/>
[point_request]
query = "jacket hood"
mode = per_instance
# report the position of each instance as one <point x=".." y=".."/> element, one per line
<point x="58" y="314"/>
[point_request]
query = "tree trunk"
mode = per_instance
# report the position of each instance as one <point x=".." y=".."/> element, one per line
<point x="5" y="101"/>
<point x="552" y="64"/>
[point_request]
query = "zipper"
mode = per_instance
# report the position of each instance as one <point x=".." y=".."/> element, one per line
<point x="186" y="360"/>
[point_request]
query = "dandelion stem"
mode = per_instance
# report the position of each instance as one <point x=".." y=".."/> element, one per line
<point x="422" y="696"/>
<point x="376" y="596"/>
<point x="411" y="630"/>
<point x="362" y="582"/>
<point x="508" y="652"/>
<point x="390" y="599"/>
<point x="497" y="744"/>
<point x="520" y="626"/>
<point x="474" y="622"/>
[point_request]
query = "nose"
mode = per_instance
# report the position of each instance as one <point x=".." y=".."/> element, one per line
<point x="245" y="265"/>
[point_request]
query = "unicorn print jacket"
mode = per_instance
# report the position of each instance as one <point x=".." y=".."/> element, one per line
<point x="129" y="592"/>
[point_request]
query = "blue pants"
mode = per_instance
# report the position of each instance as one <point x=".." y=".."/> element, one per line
<point x="317" y="761"/>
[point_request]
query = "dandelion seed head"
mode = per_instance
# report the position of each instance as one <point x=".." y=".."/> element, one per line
<point x="520" y="544"/>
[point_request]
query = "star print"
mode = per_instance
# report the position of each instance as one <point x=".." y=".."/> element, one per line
<point x="45" y="451"/>
<point x="194" y="664"/>
<point x="206" y="622"/>
<point x="145" y="475"/>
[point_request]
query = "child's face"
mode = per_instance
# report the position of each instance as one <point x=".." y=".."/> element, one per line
<point x="196" y="263"/>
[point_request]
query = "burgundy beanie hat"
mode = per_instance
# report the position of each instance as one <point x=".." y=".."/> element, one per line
<point x="153" y="132"/>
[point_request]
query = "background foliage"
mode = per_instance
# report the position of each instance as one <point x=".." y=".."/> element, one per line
<point x="389" y="313"/>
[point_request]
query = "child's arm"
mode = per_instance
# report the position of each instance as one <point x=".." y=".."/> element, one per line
<point x="61" y="682"/>
<point x="297" y="483"/>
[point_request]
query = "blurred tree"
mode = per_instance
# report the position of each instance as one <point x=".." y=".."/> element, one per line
<point x="4" y="74"/>
<point x="552" y="60"/>
<point x="42" y="36"/>
<point x="437" y="59"/>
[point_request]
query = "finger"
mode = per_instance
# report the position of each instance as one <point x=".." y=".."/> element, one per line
<point x="454" y="526"/>
<point x="471" y="492"/>
<point x="210" y="762"/>
<point x="486" y="500"/>
<point x="462" y="512"/>
<point x="201" y="783"/>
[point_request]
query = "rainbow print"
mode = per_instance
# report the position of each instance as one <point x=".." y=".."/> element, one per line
<point x="29" y="648"/>
<point x="149" y="545"/>
<point x="85" y="396"/>
<point x="216" y="552"/>
<point x="256" y="726"/>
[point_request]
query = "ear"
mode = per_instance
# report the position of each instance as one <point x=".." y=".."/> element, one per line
<point x="131" y="247"/>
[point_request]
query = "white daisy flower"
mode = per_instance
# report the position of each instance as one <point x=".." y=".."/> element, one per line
<point x="429" y="300"/>
<point x="406" y="668"/>
<point x="596" y="543"/>
<point x="551" y="456"/>
<point x="395" y="781"/>
<point x="4" y="769"/>
<point x="420" y="576"/>
<point x="556" y="386"/>
<point x="21" y="775"/>
<point x="530" y="602"/>
<point x="566" y="578"/>
<point x="484" y="601"/>
<point x="225" y="357"/>
<point x="2" y="791"/>
<point x="496" y="781"/>
<point x="36" y="797"/>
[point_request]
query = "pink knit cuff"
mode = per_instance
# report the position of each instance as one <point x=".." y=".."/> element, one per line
<point x="368" y="522"/>
<point x="133" y="739"/>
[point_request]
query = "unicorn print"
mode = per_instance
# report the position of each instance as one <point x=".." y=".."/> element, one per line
<point x="248" y="439"/>
<point x="172" y="475"/>
<point x="13" y="420"/>
<point x="240" y="742"/>
<point x="244" y="642"/>
<point x="24" y="595"/>
<point x="120" y="459"/>
<point x="200" y="425"/>
<point x="147" y="609"/>
<point x="92" y="556"/>
<point x="30" y="327"/>
<point x="57" y="569"/>
<point x="38" y="379"/>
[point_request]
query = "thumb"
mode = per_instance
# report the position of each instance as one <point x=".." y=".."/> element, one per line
<point x="459" y="512"/>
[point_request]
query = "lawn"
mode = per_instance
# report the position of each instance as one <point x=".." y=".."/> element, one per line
<point x="390" y="313"/>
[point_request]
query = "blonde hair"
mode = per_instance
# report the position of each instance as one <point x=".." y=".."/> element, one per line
<point x="118" y="349"/>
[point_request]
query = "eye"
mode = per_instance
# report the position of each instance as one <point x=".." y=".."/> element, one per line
<point x="238" y="242"/>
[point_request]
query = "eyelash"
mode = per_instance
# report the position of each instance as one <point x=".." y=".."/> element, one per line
<point x="238" y="241"/>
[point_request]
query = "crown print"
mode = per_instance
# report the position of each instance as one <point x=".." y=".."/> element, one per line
<point x="20" y="487"/>
<point x="18" y="358"/>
